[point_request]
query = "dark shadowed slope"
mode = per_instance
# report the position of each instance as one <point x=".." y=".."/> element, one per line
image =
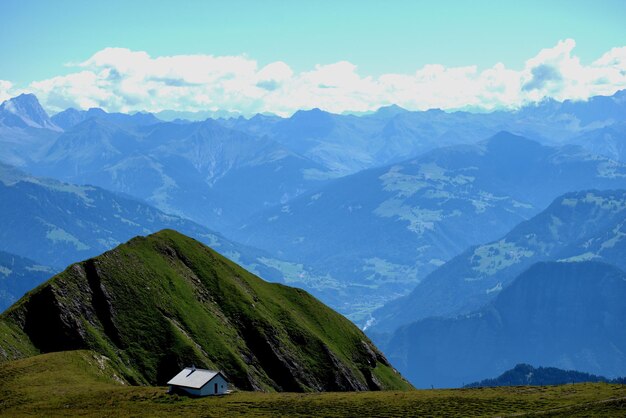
<point x="569" y="315"/>
<point x="527" y="375"/>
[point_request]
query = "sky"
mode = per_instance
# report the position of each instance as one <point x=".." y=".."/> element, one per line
<point x="280" y="56"/>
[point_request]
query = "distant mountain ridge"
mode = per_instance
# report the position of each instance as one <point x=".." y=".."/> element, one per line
<point x="202" y="170"/>
<point x="527" y="375"/>
<point x="71" y="117"/>
<point x="377" y="233"/>
<point x="568" y="315"/>
<point x="242" y="177"/>
<point x="587" y="225"/>
<point x="18" y="275"/>
<point x="58" y="223"/>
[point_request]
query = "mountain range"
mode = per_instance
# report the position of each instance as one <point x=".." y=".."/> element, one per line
<point x="58" y="223"/>
<point x="320" y="145"/>
<point x="568" y="315"/>
<point x="272" y="183"/>
<point x="464" y="243"/>
<point x="545" y="293"/>
<point x="377" y="233"/>
<point x="579" y="226"/>
<point x="203" y="171"/>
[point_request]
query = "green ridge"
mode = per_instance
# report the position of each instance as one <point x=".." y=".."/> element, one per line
<point x="159" y="303"/>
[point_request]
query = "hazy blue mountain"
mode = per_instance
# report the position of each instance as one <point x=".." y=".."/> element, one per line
<point x="577" y="226"/>
<point x="25" y="130"/>
<point x="527" y="375"/>
<point x="342" y="143"/>
<point x="203" y="171"/>
<point x="257" y="125"/>
<point x="597" y="110"/>
<point x="59" y="223"/>
<point x="378" y="232"/>
<point x="25" y="111"/>
<point x="316" y="145"/>
<point x="71" y="117"/>
<point x="172" y="115"/>
<point x="68" y="118"/>
<point x="551" y="121"/>
<point x="387" y="112"/>
<point x="609" y="141"/>
<point x="346" y="144"/>
<point x="569" y="315"/>
<point x="18" y="275"/>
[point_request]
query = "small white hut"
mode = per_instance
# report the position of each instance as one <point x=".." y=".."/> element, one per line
<point x="199" y="382"/>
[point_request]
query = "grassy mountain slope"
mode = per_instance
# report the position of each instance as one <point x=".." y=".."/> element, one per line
<point x="83" y="383"/>
<point x="156" y="304"/>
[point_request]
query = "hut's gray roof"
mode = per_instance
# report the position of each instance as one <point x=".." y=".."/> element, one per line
<point x="193" y="378"/>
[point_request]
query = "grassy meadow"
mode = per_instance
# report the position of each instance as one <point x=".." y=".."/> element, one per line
<point x="82" y="383"/>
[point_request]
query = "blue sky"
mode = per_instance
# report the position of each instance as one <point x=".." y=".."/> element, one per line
<point x="38" y="38"/>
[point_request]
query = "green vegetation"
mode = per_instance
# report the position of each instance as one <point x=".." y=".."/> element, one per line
<point x="527" y="375"/>
<point x="14" y="343"/>
<point x="82" y="383"/>
<point x="157" y="304"/>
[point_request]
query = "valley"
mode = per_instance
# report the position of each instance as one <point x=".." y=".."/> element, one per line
<point x="298" y="209"/>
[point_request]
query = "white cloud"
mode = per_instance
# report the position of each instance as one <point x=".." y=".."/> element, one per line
<point x="118" y="79"/>
<point x="5" y="90"/>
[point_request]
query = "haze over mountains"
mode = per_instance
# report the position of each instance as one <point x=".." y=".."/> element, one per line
<point x="380" y="231"/>
<point x="580" y="226"/>
<point x="267" y="181"/>
<point x="427" y="228"/>
<point x="58" y="223"/>
<point x="569" y="315"/>
<point x="550" y="292"/>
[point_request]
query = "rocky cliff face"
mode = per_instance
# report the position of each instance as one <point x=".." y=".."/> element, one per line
<point x="159" y="303"/>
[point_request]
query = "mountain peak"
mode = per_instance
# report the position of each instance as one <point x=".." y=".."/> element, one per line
<point x="316" y="112"/>
<point x="390" y="111"/>
<point x="315" y="122"/>
<point x="25" y="111"/>
<point x="508" y="140"/>
<point x="26" y="99"/>
<point x="72" y="117"/>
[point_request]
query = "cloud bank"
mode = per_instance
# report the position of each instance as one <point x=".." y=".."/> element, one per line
<point x="119" y="79"/>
